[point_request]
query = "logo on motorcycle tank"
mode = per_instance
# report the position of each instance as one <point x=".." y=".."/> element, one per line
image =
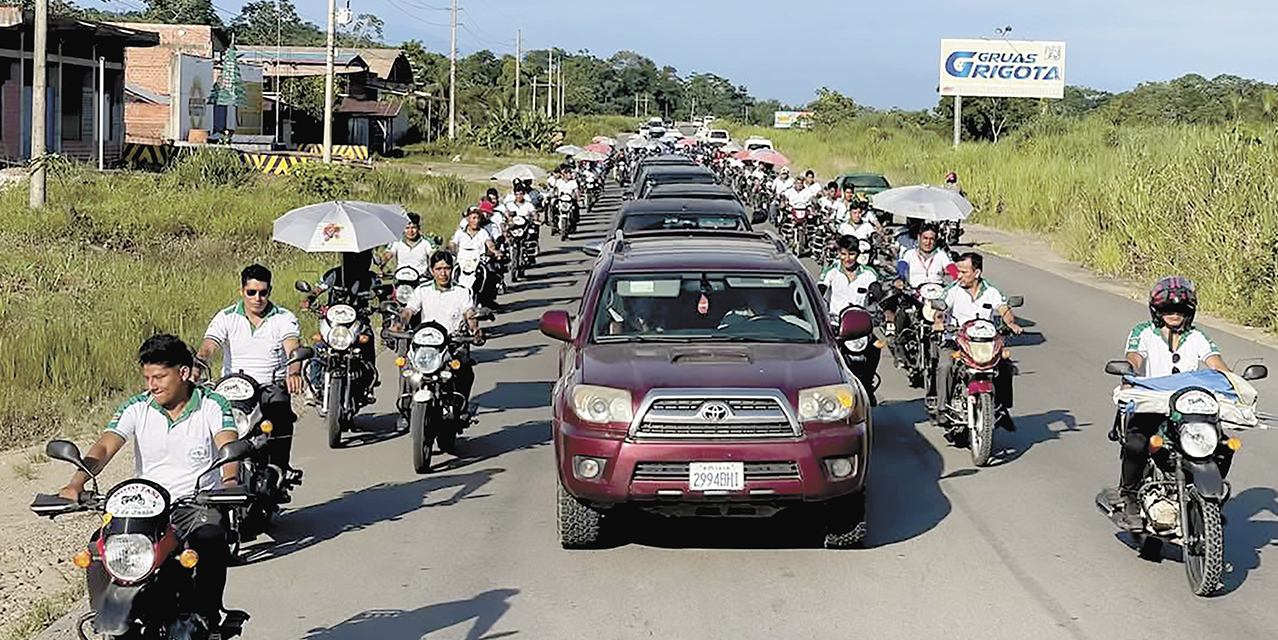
<point x="714" y="412"/>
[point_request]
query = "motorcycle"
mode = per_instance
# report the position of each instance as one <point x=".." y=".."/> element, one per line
<point x="406" y="280"/>
<point x="522" y="235"/>
<point x="139" y="576"/>
<point x="951" y="231"/>
<point x="794" y="227"/>
<point x="594" y="189"/>
<point x="913" y="345"/>
<point x="343" y="371"/>
<point x="1184" y="487"/>
<point x="474" y="272"/>
<point x="862" y="354"/>
<point x="970" y="414"/>
<point x="434" y="409"/>
<point x="565" y="215"/>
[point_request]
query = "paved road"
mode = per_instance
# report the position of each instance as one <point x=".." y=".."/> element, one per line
<point x="1016" y="550"/>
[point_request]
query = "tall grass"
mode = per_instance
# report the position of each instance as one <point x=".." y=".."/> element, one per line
<point x="115" y="259"/>
<point x="1141" y="202"/>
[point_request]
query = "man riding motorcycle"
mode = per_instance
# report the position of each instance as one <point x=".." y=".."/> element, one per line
<point x="411" y="250"/>
<point x="971" y="297"/>
<point x="851" y="284"/>
<point x="256" y="337"/>
<point x="919" y="265"/>
<point x="177" y="429"/>
<point x="440" y="301"/>
<point x="1167" y="344"/>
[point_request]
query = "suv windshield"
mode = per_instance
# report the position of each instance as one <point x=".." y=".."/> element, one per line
<point x="705" y="307"/>
<point x="868" y="182"/>
<point x="661" y="221"/>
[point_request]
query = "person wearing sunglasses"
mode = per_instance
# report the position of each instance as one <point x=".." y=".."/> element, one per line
<point x="256" y="337"/>
<point x="1165" y="345"/>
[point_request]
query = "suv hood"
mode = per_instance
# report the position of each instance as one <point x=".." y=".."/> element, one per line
<point x="638" y="368"/>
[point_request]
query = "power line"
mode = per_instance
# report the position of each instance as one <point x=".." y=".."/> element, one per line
<point x="406" y="12"/>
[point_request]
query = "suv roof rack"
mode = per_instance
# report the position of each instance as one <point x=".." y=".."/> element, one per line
<point x="623" y="241"/>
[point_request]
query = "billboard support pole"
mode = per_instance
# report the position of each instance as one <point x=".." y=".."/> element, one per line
<point x="958" y="118"/>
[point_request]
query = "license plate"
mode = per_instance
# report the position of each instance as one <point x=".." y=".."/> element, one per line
<point x="716" y="476"/>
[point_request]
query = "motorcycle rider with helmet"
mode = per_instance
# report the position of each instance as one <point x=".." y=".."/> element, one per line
<point x="1167" y="344"/>
<point x="177" y="428"/>
<point x="971" y="297"/>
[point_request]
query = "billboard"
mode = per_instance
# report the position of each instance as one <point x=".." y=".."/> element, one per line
<point x="1002" y="68"/>
<point x="192" y="79"/>
<point x="789" y="119"/>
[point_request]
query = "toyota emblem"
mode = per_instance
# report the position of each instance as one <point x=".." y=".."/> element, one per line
<point x="714" y="412"/>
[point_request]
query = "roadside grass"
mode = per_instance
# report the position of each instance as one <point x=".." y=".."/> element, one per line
<point x="1139" y="202"/>
<point x="44" y="612"/>
<point x="25" y="470"/>
<point x="113" y="259"/>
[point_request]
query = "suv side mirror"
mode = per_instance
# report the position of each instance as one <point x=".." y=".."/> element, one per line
<point x="1119" y="368"/>
<point x="555" y="324"/>
<point x="855" y="323"/>
<point x="1015" y="301"/>
<point x="759" y="217"/>
<point x="1252" y="372"/>
<point x="592" y="248"/>
<point x="303" y="286"/>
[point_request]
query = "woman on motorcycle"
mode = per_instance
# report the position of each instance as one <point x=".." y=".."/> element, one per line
<point x="1165" y="345"/>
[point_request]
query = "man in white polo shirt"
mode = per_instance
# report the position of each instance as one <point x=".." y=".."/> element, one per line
<point x="851" y="284"/>
<point x="412" y="249"/>
<point x="970" y="298"/>
<point x="256" y="337"/>
<point x="177" y="430"/>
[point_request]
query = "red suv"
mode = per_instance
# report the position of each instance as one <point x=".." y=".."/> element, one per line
<point x="701" y="378"/>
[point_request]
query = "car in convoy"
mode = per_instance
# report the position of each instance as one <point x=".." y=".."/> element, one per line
<point x="649" y="163"/>
<point x="673" y="174"/>
<point x="694" y="191"/>
<point x="701" y="377"/>
<point x="718" y="137"/>
<point x="681" y="214"/>
<point x="866" y="183"/>
<point x="754" y="143"/>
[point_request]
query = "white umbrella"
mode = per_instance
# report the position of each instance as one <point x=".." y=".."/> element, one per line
<point x="636" y="142"/>
<point x="591" y="156"/>
<point x="343" y="227"/>
<point x="604" y="140"/>
<point x="521" y="172"/>
<point x="730" y="147"/>
<point x="923" y="202"/>
<point x="569" y="150"/>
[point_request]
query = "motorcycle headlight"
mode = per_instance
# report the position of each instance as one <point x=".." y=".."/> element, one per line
<point x="241" y="422"/>
<point x="981" y="352"/>
<point x="1199" y="439"/>
<point x="427" y="359"/>
<point x="602" y="405"/>
<point x="340" y="337"/>
<point x="128" y="556"/>
<point x="403" y="292"/>
<point x="827" y="404"/>
<point x="857" y="345"/>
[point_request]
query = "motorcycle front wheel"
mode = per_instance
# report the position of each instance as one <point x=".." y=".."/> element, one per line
<point x="333" y="412"/>
<point x="1204" y="544"/>
<point x="423" y="436"/>
<point x="980" y="427"/>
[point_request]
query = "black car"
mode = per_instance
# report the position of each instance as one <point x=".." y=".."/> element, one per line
<point x="673" y="175"/>
<point x="668" y="214"/>
<point x="653" y="162"/>
<point x="692" y="191"/>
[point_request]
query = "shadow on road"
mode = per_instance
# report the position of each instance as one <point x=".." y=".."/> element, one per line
<point x="372" y="430"/>
<point x="484" y="354"/>
<point x="514" y="395"/>
<point x="526" y="435"/>
<point x="1245" y="536"/>
<point x="398" y="624"/>
<point x="1031" y="430"/>
<point x="356" y="510"/>
<point x="905" y="499"/>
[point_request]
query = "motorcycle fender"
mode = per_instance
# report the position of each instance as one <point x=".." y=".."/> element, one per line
<point x="1207" y="480"/>
<point x="422" y="395"/>
<point x="114" y="609"/>
<point x="980" y="386"/>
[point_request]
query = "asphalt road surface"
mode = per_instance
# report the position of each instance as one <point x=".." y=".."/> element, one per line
<point x="1016" y="550"/>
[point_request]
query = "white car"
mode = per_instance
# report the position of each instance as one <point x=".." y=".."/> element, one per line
<point x="754" y="142"/>
<point x="718" y="136"/>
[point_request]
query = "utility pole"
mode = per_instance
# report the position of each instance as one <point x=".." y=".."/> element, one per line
<point x="328" y="85"/>
<point x="550" y="83"/>
<point x="958" y="117"/>
<point x="452" y="79"/>
<point x="39" y="82"/>
<point x="519" y="54"/>
<point x="636" y="105"/>
<point x="562" y="90"/>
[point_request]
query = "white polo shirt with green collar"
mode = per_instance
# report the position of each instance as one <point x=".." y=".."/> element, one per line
<point x="173" y="453"/>
<point x="962" y="307"/>
<point x="255" y="351"/>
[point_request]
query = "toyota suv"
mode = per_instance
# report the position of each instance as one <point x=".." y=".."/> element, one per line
<point x="700" y="378"/>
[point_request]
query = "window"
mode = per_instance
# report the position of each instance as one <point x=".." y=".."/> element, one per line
<point x="77" y="101"/>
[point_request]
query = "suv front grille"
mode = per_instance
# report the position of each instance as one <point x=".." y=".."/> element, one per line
<point x="673" y="471"/>
<point x="727" y="414"/>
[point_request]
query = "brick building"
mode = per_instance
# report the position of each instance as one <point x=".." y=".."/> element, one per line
<point x="75" y="50"/>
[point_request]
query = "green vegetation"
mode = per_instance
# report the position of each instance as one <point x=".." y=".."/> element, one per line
<point x="1142" y="201"/>
<point x="114" y="259"/>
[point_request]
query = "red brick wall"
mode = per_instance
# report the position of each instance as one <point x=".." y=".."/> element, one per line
<point x="147" y="123"/>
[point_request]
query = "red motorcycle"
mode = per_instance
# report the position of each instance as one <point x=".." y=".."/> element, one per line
<point x="979" y="350"/>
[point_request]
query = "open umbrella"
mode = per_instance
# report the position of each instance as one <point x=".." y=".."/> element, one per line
<point x="768" y="156"/>
<point x="924" y="202"/>
<point x="569" y="150"/>
<point x="590" y="156"/>
<point x="636" y="142"/>
<point x="343" y="227"/>
<point x="686" y="142"/>
<point x="604" y="140"/>
<point x="742" y="155"/>
<point x="520" y="172"/>
<point x="598" y="148"/>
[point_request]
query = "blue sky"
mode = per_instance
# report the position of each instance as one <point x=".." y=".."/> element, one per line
<point x="883" y="54"/>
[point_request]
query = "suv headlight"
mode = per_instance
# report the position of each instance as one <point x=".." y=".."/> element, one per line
<point x="128" y="556"/>
<point x="340" y="337"/>
<point x="827" y="404"/>
<point x="427" y="359"/>
<point x="1198" y="439"/>
<point x="602" y="405"/>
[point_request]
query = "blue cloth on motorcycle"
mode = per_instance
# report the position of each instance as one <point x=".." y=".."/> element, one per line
<point x="1209" y="379"/>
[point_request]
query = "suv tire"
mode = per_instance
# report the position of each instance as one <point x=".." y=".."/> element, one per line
<point x="844" y="520"/>
<point x="579" y="525"/>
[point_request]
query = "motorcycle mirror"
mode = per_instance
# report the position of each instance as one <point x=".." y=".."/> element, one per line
<point x="303" y="286"/>
<point x="65" y="451"/>
<point x="1015" y="301"/>
<point x="939" y="305"/>
<point x="1119" y="368"/>
<point x="300" y="354"/>
<point x="233" y="451"/>
<point x="759" y="217"/>
<point x="592" y="249"/>
<point x="1252" y="372"/>
<point x="389" y="307"/>
<point x="854" y="324"/>
<point x="484" y="313"/>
